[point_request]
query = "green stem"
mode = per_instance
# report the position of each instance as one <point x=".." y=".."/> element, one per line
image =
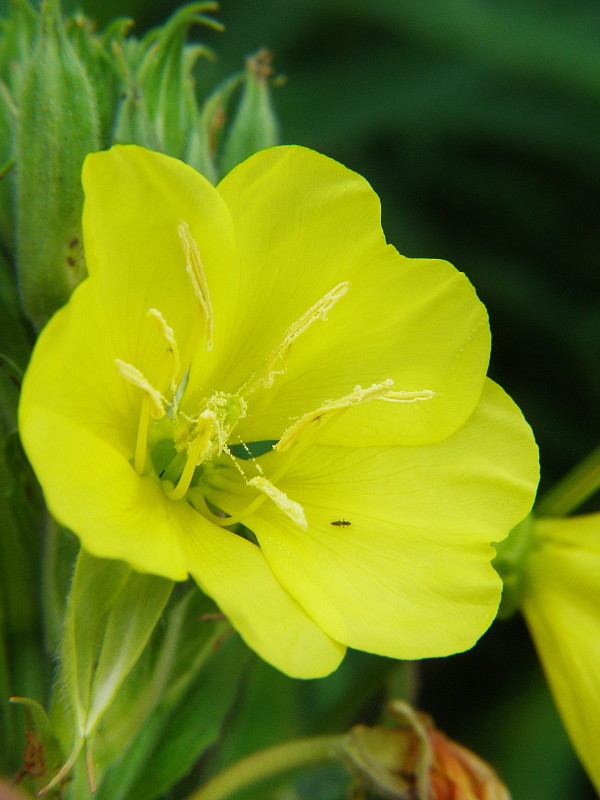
<point x="269" y="762"/>
<point x="573" y="490"/>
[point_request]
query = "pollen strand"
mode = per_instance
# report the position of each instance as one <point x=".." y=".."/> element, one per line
<point x="195" y="270"/>
<point x="333" y="408"/>
<point x="318" y="311"/>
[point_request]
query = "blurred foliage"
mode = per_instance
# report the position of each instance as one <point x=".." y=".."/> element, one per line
<point x="478" y="123"/>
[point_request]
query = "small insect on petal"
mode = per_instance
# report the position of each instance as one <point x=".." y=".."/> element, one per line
<point x="341" y="523"/>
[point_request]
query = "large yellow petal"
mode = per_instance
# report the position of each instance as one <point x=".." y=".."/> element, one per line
<point x="90" y="488"/>
<point x="561" y="605"/>
<point x="410" y="576"/>
<point x="117" y="514"/>
<point x="72" y="374"/>
<point x="304" y="225"/>
<point x="135" y="202"/>
<point x="234" y="572"/>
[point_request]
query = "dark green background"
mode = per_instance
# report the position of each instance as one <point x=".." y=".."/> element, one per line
<point x="478" y="123"/>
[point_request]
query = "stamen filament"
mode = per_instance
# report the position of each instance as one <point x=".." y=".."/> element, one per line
<point x="257" y="482"/>
<point x="141" y="443"/>
<point x="225" y="522"/>
<point x="173" y="351"/>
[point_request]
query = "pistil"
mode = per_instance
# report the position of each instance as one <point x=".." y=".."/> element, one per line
<point x="196" y="453"/>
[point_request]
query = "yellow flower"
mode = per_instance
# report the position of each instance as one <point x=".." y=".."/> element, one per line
<point x="561" y="604"/>
<point x="217" y="322"/>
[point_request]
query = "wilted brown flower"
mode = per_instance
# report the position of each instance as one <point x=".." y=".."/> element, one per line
<point x="416" y="761"/>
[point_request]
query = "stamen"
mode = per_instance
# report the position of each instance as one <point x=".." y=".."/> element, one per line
<point x="141" y="443"/>
<point x="172" y="349"/>
<point x="269" y="491"/>
<point x="406" y="397"/>
<point x="332" y="408"/>
<point x="197" y="450"/>
<point x="134" y="376"/>
<point x="290" y="508"/>
<point x="195" y="270"/>
<point x="266" y="374"/>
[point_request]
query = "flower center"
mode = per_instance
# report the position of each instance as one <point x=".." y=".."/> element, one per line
<point x="178" y="450"/>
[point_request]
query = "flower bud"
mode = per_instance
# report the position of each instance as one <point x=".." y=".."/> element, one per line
<point x="254" y="126"/>
<point x="95" y="52"/>
<point x="206" y="134"/>
<point x="132" y="122"/>
<point x="167" y="81"/>
<point x="57" y="127"/>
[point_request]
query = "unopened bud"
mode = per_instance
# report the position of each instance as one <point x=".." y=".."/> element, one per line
<point x="167" y="76"/>
<point x="57" y="127"/>
<point x="254" y="126"/>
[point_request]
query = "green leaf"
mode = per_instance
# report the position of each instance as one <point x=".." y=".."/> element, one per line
<point x="196" y="723"/>
<point x="189" y="708"/>
<point x="24" y="668"/>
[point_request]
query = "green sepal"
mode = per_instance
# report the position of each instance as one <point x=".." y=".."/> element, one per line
<point x="509" y="563"/>
<point x="43" y="753"/>
<point x="254" y="125"/>
<point x="111" y="613"/>
<point x="58" y="126"/>
<point x="116" y="31"/>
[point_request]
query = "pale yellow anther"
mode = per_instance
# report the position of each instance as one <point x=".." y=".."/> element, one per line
<point x="318" y="311"/>
<point x="290" y="508"/>
<point x="172" y="349"/>
<point x="406" y="397"/>
<point x="332" y="408"/>
<point x="133" y="375"/>
<point x="195" y="270"/>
